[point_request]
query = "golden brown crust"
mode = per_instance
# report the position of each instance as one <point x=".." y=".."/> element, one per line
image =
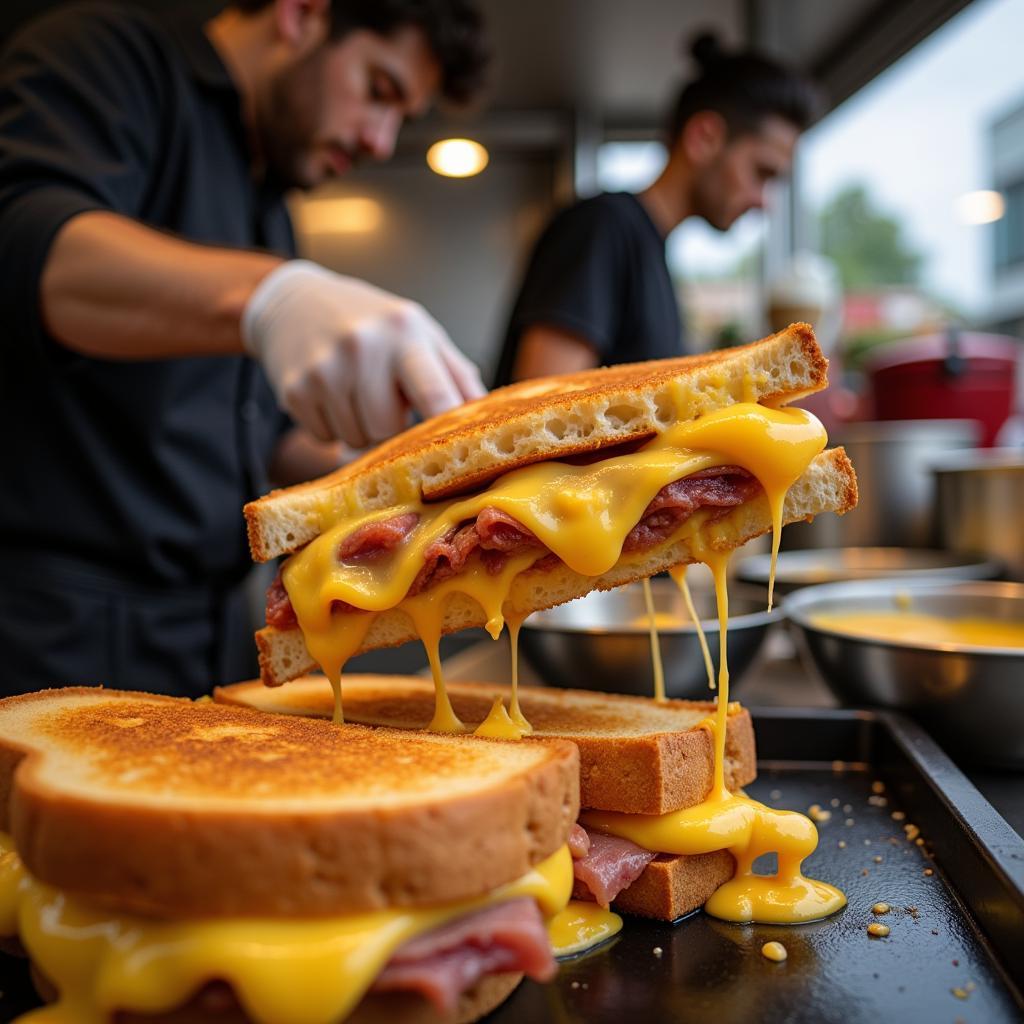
<point x="673" y="886"/>
<point x="636" y="756"/>
<point x="248" y="813"/>
<point x="541" y="419"/>
<point x="829" y="485"/>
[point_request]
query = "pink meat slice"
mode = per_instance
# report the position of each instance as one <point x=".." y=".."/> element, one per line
<point x="579" y="842"/>
<point x="444" y="963"/>
<point x="497" y="535"/>
<point x="613" y="864"/>
<point x="721" y="488"/>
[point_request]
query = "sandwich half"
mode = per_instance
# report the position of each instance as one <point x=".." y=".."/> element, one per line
<point x="540" y="493"/>
<point x="164" y="860"/>
<point x="647" y="772"/>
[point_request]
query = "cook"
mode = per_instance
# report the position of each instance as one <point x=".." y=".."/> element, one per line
<point x="164" y="355"/>
<point x="598" y="290"/>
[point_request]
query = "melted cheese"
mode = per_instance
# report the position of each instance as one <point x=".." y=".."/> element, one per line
<point x="581" y="926"/>
<point x="499" y="725"/>
<point x="678" y="573"/>
<point x="580" y="513"/>
<point x="921" y="628"/>
<point x="734" y="822"/>
<point x="286" y="971"/>
<point x="652" y="624"/>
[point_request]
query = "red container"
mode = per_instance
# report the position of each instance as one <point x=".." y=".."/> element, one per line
<point x="962" y="376"/>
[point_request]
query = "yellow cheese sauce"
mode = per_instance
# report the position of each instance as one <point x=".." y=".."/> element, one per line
<point x="581" y="926"/>
<point x="906" y="626"/>
<point x="499" y="725"/>
<point x="580" y="513"/>
<point x="283" y="971"/>
<point x="659" y="671"/>
<point x="678" y="573"/>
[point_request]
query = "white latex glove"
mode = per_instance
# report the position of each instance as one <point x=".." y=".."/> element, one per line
<point x="346" y="359"/>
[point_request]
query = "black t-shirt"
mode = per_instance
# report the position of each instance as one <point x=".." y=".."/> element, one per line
<point x="124" y="474"/>
<point x="599" y="271"/>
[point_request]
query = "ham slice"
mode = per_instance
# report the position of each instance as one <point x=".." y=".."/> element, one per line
<point x="444" y="963"/>
<point x="611" y="865"/>
<point x="579" y="842"/>
<point x="496" y="535"/>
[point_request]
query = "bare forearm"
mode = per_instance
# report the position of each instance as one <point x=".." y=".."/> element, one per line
<point x="116" y="289"/>
<point x="545" y="350"/>
<point x="300" y="456"/>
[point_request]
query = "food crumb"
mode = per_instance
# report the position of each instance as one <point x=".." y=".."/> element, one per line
<point x="877" y="860"/>
<point x="877" y="930"/>
<point x="847" y="808"/>
<point x="848" y="822"/>
<point x="913" y="912"/>
<point x="657" y="951"/>
<point x="774" y="951"/>
<point x="919" y="841"/>
<point x="935" y="931"/>
<point x="834" y="801"/>
<point x="881" y="908"/>
<point x="898" y="816"/>
<point x="818" y="813"/>
<point x="877" y="786"/>
<point x="912" y="831"/>
<point x="960" y="993"/>
<point x="865" y="872"/>
<point x="842" y="844"/>
<point x="928" y="872"/>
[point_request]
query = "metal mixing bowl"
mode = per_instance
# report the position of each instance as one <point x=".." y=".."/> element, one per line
<point x="970" y="698"/>
<point x="829" y="565"/>
<point x="601" y="641"/>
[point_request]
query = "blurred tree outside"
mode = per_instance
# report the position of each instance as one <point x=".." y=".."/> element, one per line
<point x="867" y="245"/>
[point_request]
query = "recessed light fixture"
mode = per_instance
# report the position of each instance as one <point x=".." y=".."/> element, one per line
<point x="457" y="158"/>
<point x="981" y="207"/>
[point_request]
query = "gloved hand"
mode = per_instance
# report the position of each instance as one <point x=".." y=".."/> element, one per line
<point x="346" y="359"/>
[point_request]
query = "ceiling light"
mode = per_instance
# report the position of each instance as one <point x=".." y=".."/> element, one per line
<point x="982" y="207"/>
<point x="457" y="158"/>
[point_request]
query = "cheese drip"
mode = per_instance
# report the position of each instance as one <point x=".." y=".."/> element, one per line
<point x="652" y="625"/>
<point x="734" y="822"/>
<point x="581" y="926"/>
<point x="678" y="573"/>
<point x="580" y="513"/>
<point x="283" y="971"/>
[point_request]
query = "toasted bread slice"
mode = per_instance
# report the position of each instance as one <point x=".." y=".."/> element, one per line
<point x="829" y="485"/>
<point x="547" y="418"/>
<point x="672" y="886"/>
<point x="163" y="806"/>
<point x="636" y="756"/>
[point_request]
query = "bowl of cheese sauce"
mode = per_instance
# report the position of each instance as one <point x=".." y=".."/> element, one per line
<point x="948" y="652"/>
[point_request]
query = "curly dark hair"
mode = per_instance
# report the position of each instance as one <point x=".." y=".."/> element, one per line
<point x="454" y="31"/>
<point x="744" y="87"/>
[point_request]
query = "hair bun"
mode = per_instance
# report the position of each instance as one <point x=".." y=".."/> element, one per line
<point x="706" y="50"/>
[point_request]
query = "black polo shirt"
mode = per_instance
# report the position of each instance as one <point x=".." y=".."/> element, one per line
<point x="123" y="477"/>
<point x="599" y="271"/>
